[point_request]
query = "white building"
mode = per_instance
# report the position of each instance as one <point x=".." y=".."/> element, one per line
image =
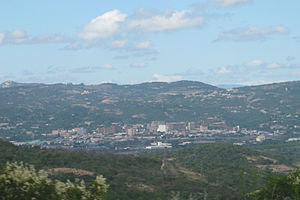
<point x="162" y="128"/>
<point x="260" y="138"/>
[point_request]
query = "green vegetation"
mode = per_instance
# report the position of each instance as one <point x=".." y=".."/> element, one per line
<point x="129" y="176"/>
<point x="38" y="108"/>
<point x="211" y="171"/>
<point x="21" y="181"/>
<point x="289" y="152"/>
<point x="228" y="171"/>
<point x="214" y="171"/>
<point x="279" y="188"/>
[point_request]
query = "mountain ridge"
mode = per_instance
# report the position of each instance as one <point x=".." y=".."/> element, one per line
<point x="10" y="83"/>
<point x="66" y="106"/>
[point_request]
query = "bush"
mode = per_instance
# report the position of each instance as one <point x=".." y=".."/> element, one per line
<point x="21" y="181"/>
<point x="280" y="188"/>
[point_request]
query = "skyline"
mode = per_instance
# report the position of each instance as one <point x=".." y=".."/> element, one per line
<point x="213" y="41"/>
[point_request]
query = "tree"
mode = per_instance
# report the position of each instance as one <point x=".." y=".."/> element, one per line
<point x="279" y="188"/>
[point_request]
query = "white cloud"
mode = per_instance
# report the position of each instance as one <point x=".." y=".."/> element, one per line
<point x="222" y="70"/>
<point x="21" y="37"/>
<point x="290" y="58"/>
<point x="251" y="33"/>
<point x="107" y="66"/>
<point x="138" y="65"/>
<point x="143" y="45"/>
<point x="271" y="65"/>
<point x="17" y="36"/>
<point x="227" y="3"/>
<point x="274" y="65"/>
<point x="104" y="82"/>
<point x="255" y="63"/>
<point x="73" y="47"/>
<point x="103" y="26"/>
<point x="56" y="38"/>
<point x="165" y="78"/>
<point x="258" y="82"/>
<point x="1" y="37"/>
<point x="91" y="69"/>
<point x="279" y="29"/>
<point x="54" y="70"/>
<point x="169" y="20"/>
<point x="119" y="43"/>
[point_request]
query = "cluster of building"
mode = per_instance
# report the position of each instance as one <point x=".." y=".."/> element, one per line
<point x="67" y="133"/>
<point x="152" y="136"/>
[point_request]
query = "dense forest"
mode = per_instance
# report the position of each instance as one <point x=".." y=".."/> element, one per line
<point x="212" y="171"/>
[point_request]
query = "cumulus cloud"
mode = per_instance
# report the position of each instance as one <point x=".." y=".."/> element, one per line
<point x="143" y="45"/>
<point x="103" y="26"/>
<point x="166" y="78"/>
<point x="167" y="21"/>
<point x="228" y="3"/>
<point x="251" y="33"/>
<point x="113" y="23"/>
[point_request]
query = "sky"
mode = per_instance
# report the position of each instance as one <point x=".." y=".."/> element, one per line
<point x="245" y="42"/>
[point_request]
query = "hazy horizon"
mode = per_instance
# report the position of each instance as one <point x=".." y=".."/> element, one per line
<point x="224" y="86"/>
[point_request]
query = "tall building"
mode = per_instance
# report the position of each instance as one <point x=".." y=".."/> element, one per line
<point x="176" y="126"/>
<point x="162" y="128"/>
<point x="191" y="126"/>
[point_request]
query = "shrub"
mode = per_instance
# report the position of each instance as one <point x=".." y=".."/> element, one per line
<point x="284" y="187"/>
<point x="22" y="181"/>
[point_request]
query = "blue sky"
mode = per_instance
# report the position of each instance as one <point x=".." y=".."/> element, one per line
<point x="126" y="42"/>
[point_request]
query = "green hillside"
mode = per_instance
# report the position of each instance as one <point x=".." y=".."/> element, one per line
<point x="216" y="171"/>
<point x="290" y="152"/>
<point x="230" y="171"/>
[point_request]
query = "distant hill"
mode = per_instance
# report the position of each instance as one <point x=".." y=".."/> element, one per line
<point x="217" y="170"/>
<point x="12" y="84"/>
<point x="230" y="86"/>
<point x="40" y="108"/>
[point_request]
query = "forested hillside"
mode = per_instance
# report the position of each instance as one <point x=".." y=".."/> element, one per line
<point x="214" y="170"/>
